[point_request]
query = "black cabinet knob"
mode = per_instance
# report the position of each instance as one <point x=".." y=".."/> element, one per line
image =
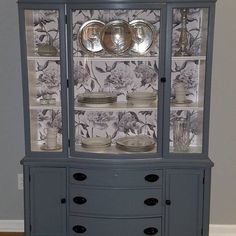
<point x="63" y="201"/>
<point x="79" y="200"/>
<point x="79" y="229"/>
<point x="150" y="231"/>
<point x="80" y="176"/>
<point x="163" y="79"/>
<point x="151" y="201"/>
<point x="151" y="178"/>
<point x="168" y="202"/>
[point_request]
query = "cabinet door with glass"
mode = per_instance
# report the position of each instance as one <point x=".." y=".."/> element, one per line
<point x="114" y="87"/>
<point x="43" y="66"/>
<point x="188" y="66"/>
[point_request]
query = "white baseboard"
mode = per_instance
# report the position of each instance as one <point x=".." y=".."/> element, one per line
<point x="11" y="226"/>
<point x="222" y="230"/>
<point x="215" y="230"/>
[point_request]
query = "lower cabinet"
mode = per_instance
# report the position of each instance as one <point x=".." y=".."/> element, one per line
<point x="47" y="201"/>
<point x="169" y="202"/>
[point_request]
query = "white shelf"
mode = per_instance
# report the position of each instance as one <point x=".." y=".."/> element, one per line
<point x="186" y="107"/>
<point x="38" y="106"/>
<point x="189" y="58"/>
<point x="110" y="150"/>
<point x="192" y="149"/>
<point x="36" y="57"/>
<point x="116" y="106"/>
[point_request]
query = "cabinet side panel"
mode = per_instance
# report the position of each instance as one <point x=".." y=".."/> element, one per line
<point x="47" y="188"/>
<point x="185" y="190"/>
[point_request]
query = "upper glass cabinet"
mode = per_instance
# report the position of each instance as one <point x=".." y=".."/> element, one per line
<point x="188" y="71"/>
<point x="44" y="80"/>
<point x="115" y="72"/>
<point x="137" y="77"/>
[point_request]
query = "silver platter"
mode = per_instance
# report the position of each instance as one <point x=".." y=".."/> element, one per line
<point x="116" y="37"/>
<point x="144" y="35"/>
<point x="89" y="36"/>
<point x="138" y="143"/>
<point x="97" y="98"/>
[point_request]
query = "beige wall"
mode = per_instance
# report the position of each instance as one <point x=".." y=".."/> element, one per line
<point x="223" y="115"/>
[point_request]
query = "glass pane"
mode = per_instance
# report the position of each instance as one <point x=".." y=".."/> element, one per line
<point x="189" y="42"/>
<point x="115" y="74"/>
<point x="44" y="79"/>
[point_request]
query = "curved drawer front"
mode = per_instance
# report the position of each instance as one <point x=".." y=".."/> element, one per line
<point x="116" y="202"/>
<point x="114" y="227"/>
<point x="116" y="178"/>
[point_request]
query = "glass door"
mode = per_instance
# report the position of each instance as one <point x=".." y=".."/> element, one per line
<point x="45" y="87"/>
<point x="115" y="77"/>
<point x="188" y="76"/>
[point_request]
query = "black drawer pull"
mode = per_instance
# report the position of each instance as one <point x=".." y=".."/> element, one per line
<point x="151" y="231"/>
<point x="80" y="176"/>
<point x="79" y="200"/>
<point x="151" y="178"/>
<point x="151" y="201"/>
<point x="79" y="229"/>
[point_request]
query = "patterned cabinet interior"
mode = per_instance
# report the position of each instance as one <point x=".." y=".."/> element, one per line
<point x="188" y="69"/>
<point x="100" y="67"/>
<point x="44" y="79"/>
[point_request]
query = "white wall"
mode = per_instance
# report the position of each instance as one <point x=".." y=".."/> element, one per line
<point x="223" y="114"/>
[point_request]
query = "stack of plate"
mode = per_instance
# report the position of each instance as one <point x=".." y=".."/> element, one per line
<point x="141" y="98"/>
<point x="138" y="143"/>
<point x="96" y="143"/>
<point x="97" y="98"/>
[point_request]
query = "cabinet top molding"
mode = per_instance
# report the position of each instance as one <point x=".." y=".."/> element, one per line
<point x="111" y="1"/>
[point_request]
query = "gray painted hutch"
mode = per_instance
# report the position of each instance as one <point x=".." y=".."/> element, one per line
<point x="116" y="48"/>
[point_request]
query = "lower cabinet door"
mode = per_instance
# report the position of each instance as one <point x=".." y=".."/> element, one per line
<point x="184" y="204"/>
<point x="47" y="201"/>
<point x="114" y="227"/>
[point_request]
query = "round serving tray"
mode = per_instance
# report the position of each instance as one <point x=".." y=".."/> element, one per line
<point x="89" y="36"/>
<point x="144" y="35"/>
<point x="116" y="37"/>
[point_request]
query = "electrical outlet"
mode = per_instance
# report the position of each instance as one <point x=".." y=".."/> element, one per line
<point x="20" y="181"/>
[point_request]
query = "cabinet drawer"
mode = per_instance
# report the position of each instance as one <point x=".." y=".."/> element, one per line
<point x="114" y="227"/>
<point x="117" y="178"/>
<point x="116" y="202"/>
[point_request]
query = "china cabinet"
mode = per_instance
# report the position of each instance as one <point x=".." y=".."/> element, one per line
<point x="116" y="104"/>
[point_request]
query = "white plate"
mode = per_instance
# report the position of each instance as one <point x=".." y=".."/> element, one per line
<point x="44" y="147"/>
<point x="142" y="95"/>
<point x="186" y="102"/>
<point x="96" y="142"/>
<point x="138" y="143"/>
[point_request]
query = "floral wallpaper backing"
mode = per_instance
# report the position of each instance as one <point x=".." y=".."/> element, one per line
<point x="48" y="79"/>
<point x="43" y="119"/>
<point x="46" y="27"/>
<point x="114" y="124"/>
<point x="196" y="28"/>
<point x="118" y="77"/>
